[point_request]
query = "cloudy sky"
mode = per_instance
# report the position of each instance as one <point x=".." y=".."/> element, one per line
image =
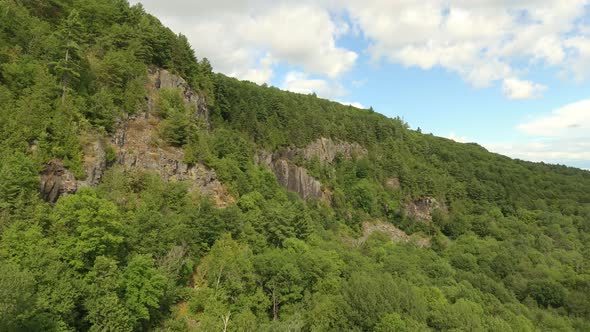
<point x="513" y="76"/>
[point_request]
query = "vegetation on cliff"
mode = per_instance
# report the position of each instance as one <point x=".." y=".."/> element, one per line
<point x="508" y="241"/>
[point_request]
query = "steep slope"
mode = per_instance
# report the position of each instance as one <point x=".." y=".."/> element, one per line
<point x="140" y="191"/>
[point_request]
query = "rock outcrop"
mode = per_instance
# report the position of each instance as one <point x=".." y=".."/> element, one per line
<point x="163" y="79"/>
<point x="138" y="146"/>
<point x="421" y="209"/>
<point x="56" y="180"/>
<point x="325" y="150"/>
<point x="295" y="178"/>
<point x="395" y="234"/>
<point x="95" y="161"/>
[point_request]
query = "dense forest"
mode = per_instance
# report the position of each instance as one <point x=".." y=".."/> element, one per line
<point x="506" y="246"/>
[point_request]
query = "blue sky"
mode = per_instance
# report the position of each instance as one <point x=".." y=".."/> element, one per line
<point x="513" y="76"/>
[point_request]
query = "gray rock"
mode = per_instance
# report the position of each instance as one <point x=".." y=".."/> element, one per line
<point x="422" y="208"/>
<point x="56" y="181"/>
<point x="163" y="79"/>
<point x="139" y="147"/>
<point x="95" y="162"/>
<point x="295" y="178"/>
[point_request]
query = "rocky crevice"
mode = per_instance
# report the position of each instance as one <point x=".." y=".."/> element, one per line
<point x="296" y="178"/>
<point x="137" y="145"/>
<point x="56" y="180"/>
<point x="163" y="79"/>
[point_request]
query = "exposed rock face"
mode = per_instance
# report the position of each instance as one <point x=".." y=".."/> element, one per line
<point x="139" y="147"/>
<point x="421" y="209"/>
<point x="295" y="178"/>
<point x="95" y="161"/>
<point x="163" y="79"/>
<point x="393" y="184"/>
<point x="326" y="150"/>
<point x="56" y="180"/>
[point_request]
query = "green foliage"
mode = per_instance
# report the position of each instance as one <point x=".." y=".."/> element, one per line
<point x="87" y="227"/>
<point x="507" y="249"/>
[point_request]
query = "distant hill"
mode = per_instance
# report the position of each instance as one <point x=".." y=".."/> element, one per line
<point x="141" y="191"/>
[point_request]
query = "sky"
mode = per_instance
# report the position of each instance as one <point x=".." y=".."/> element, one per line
<point x="512" y="76"/>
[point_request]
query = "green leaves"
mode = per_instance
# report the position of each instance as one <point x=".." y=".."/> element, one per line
<point x="86" y="227"/>
<point x="144" y="287"/>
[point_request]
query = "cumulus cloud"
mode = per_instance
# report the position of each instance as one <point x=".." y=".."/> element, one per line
<point x="457" y="138"/>
<point x="480" y="40"/>
<point x="354" y="104"/>
<point x="562" y="136"/>
<point x="514" y="88"/>
<point x="483" y="41"/>
<point x="579" y="62"/>
<point x="572" y="120"/>
<point x="301" y="83"/>
<point x="550" y="151"/>
<point x="240" y="36"/>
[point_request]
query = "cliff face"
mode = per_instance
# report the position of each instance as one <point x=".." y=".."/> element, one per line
<point x="295" y="178"/>
<point x="163" y="79"/>
<point x="326" y="150"/>
<point x="137" y="145"/>
<point x="56" y="180"/>
<point x="421" y="209"/>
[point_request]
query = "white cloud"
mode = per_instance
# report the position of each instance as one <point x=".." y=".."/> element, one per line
<point x="481" y="40"/>
<point x="572" y="120"/>
<point x="237" y="36"/>
<point x="359" y="83"/>
<point x="301" y="83"/>
<point x="515" y="88"/>
<point x="551" y="151"/>
<point x="579" y="62"/>
<point x="354" y="104"/>
<point x="560" y="137"/>
<point x="456" y="138"/>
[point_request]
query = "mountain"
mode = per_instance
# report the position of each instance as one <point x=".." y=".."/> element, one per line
<point x="139" y="190"/>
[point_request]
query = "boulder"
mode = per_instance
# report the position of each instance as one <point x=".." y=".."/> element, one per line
<point x="56" y="181"/>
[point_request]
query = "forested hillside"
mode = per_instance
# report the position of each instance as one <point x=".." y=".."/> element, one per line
<point x="140" y="191"/>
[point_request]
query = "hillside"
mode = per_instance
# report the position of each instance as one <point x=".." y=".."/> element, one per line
<point x="141" y="191"/>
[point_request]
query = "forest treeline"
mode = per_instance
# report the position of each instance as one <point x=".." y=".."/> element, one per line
<point x="509" y="249"/>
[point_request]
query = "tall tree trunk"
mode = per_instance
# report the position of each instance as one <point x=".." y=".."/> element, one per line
<point x="275" y="306"/>
<point x="64" y="81"/>
<point x="225" y="320"/>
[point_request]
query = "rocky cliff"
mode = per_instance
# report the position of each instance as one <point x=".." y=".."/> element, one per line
<point x="422" y="208"/>
<point x="163" y="79"/>
<point x="137" y="145"/>
<point x="295" y="178"/>
<point x="56" y="180"/>
<point x="325" y="150"/>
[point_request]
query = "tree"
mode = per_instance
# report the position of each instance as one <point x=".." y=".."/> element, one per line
<point x="144" y="287"/>
<point x="86" y="227"/>
<point x="68" y="67"/>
